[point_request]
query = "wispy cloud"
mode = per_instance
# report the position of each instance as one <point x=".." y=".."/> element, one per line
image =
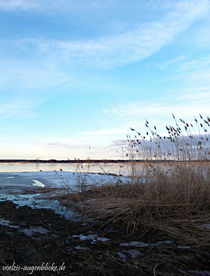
<point x="128" y="46"/>
<point x="193" y="75"/>
<point x="32" y="75"/>
<point x="174" y="62"/>
<point x="49" y="5"/>
<point x="105" y="131"/>
<point x="184" y="64"/>
<point x="17" y="107"/>
<point x="119" y="143"/>
<point x="144" y="109"/>
<point x="201" y="94"/>
<point x="47" y="63"/>
<point x="21" y="147"/>
<point x="17" y="4"/>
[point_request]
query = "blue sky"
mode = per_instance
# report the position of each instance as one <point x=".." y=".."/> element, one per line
<point x="78" y="74"/>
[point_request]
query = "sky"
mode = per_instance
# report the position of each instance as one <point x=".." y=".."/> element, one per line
<point x="76" y="75"/>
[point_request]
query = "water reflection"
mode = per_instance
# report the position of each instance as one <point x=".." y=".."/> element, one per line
<point x="104" y="168"/>
<point x="123" y="169"/>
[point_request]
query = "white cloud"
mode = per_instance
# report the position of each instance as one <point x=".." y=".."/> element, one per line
<point x="124" y="48"/>
<point x="194" y="77"/>
<point x="16" y="107"/>
<point x="174" y="62"/>
<point x="65" y="5"/>
<point x="52" y="63"/>
<point x="145" y="109"/>
<point x="27" y="75"/>
<point x="20" y="4"/>
<point x="105" y="131"/>
<point x="202" y="94"/>
<point x="182" y="64"/>
<point x="20" y="147"/>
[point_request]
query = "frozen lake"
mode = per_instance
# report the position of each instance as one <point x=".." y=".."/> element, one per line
<point x="21" y="187"/>
<point x="16" y="179"/>
<point x="105" y="168"/>
<point x="19" y="181"/>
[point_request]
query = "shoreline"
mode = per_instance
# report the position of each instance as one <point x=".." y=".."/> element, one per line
<point x="85" y="245"/>
<point x="103" y="161"/>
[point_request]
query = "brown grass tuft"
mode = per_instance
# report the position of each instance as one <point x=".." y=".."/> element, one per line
<point x="171" y="196"/>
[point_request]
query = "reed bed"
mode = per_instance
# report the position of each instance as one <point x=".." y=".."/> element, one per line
<point x="173" y="196"/>
<point x="183" y="141"/>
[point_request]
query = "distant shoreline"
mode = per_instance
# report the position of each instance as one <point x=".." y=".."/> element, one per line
<point x="99" y="161"/>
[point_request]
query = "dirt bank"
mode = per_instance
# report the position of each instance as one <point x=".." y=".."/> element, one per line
<point x="35" y="237"/>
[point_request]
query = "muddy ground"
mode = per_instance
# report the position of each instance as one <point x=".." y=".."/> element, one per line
<point x="39" y="237"/>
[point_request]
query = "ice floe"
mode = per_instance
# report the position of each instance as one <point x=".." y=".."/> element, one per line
<point x="38" y="183"/>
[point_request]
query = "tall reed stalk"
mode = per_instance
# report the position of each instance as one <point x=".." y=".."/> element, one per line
<point x="184" y="141"/>
<point x="163" y="195"/>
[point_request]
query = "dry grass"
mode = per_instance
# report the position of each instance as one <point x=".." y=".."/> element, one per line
<point x="178" y="205"/>
<point x="173" y="197"/>
<point x="180" y="192"/>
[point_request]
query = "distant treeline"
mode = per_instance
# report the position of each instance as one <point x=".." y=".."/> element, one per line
<point x="95" y="161"/>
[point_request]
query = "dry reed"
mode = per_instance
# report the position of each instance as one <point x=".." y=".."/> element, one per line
<point x="172" y="196"/>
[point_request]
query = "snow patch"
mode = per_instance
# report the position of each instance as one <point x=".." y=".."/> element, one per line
<point x="122" y="255"/>
<point x="6" y="222"/>
<point x="183" y="247"/>
<point x="93" y="237"/>
<point x="33" y="230"/>
<point x="81" y="247"/>
<point x="143" y="244"/>
<point x="38" y="183"/>
<point x="134" y="253"/>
